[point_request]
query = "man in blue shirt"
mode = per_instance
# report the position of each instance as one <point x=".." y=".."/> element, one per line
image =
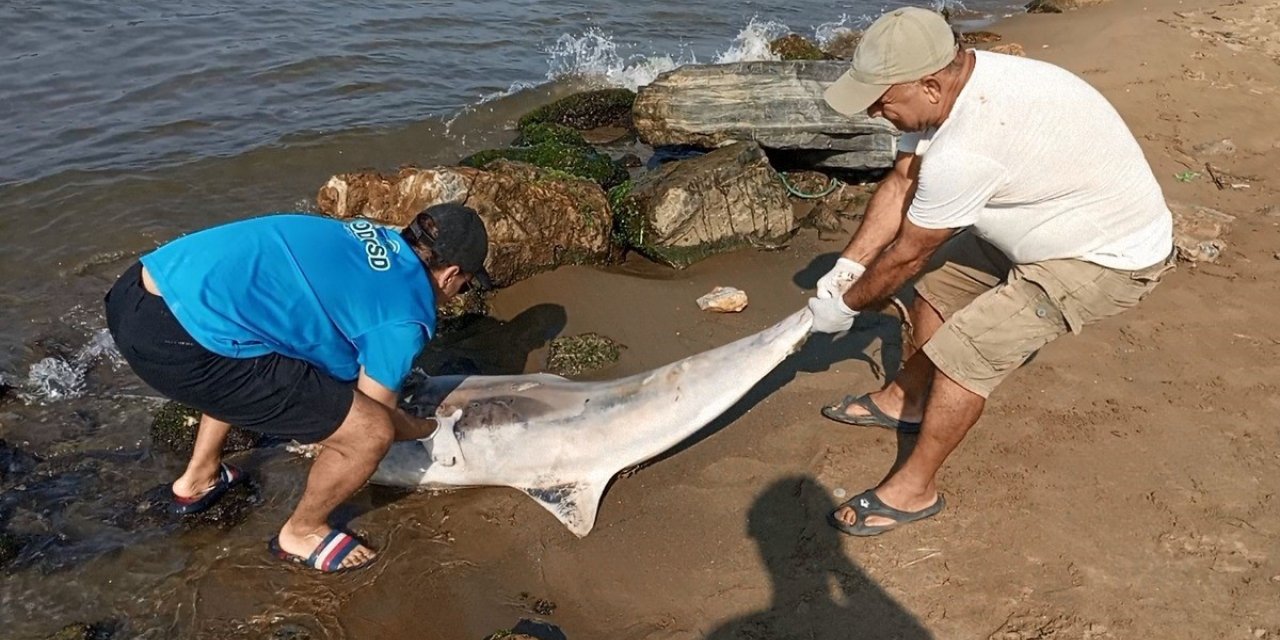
<point x="300" y="327"/>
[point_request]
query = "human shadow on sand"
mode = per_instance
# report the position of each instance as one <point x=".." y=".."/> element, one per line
<point x="818" y="591"/>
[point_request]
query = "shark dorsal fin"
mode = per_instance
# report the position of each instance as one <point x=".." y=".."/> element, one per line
<point x="574" y="504"/>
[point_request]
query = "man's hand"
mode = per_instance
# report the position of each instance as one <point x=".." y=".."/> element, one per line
<point x="407" y="427"/>
<point x="839" y="278"/>
<point x="831" y="315"/>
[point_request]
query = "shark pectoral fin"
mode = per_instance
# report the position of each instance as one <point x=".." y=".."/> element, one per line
<point x="574" y="504"/>
<point x="442" y="445"/>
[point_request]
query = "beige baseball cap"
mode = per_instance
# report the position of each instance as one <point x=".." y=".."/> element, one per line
<point x="901" y="46"/>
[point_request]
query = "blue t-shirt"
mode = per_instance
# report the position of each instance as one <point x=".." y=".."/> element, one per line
<point x="338" y="294"/>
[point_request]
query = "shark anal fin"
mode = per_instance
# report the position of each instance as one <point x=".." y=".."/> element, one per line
<point x="574" y="504"/>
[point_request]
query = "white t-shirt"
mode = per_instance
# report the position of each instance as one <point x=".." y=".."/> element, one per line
<point x="1042" y="167"/>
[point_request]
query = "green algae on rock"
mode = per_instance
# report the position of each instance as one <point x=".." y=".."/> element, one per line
<point x="586" y="110"/>
<point x="174" y="429"/>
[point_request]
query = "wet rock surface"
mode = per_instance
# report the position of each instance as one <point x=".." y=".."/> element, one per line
<point x="797" y="47"/>
<point x="174" y="429"/>
<point x="586" y="110"/>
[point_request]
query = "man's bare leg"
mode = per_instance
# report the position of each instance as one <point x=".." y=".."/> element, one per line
<point x="904" y="397"/>
<point x="202" y="469"/>
<point x="346" y="461"/>
<point x="950" y="412"/>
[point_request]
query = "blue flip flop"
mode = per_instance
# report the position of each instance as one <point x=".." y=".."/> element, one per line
<point x="228" y="477"/>
<point x="327" y="557"/>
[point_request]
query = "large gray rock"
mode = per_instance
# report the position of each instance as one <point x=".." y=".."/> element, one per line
<point x="777" y="104"/>
<point x="688" y="210"/>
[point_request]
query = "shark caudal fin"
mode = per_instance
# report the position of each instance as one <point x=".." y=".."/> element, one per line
<point x="574" y="504"/>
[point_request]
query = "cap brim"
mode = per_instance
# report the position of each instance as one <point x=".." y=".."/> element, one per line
<point x="481" y="280"/>
<point x="850" y="97"/>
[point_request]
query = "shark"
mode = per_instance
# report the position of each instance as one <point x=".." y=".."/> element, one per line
<point x="562" y="441"/>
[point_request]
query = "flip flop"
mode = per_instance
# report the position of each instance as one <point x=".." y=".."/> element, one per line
<point x="867" y="504"/>
<point x="327" y="557"/>
<point x="877" y="418"/>
<point x="228" y="476"/>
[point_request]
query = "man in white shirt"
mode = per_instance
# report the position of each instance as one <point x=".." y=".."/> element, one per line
<point x="1025" y="210"/>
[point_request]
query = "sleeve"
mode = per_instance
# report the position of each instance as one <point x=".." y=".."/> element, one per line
<point x="387" y="351"/>
<point x="953" y="189"/>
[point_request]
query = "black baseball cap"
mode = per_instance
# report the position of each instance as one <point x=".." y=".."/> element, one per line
<point x="457" y="236"/>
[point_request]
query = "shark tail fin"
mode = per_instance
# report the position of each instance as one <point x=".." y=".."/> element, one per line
<point x="574" y="504"/>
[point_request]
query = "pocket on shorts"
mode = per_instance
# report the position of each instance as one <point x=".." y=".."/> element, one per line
<point x="1009" y="324"/>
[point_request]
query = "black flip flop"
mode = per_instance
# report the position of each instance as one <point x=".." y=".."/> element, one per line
<point x="228" y="476"/>
<point x="867" y="504"/>
<point x="877" y="418"/>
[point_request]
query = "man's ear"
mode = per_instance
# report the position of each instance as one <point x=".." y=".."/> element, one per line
<point x="932" y="88"/>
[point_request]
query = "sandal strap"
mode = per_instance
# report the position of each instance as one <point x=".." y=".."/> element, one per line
<point x="333" y="550"/>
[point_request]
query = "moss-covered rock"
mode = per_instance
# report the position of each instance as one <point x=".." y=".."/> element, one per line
<point x="543" y="132"/>
<point x="85" y="631"/>
<point x="572" y="159"/>
<point x="628" y="217"/>
<point x="10" y="546"/>
<point x="576" y="355"/>
<point x="797" y="47"/>
<point x="461" y="312"/>
<point x="174" y="429"/>
<point x="586" y="110"/>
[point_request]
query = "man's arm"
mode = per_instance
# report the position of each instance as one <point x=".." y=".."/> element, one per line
<point x="900" y="262"/>
<point x="885" y="211"/>
<point x="407" y="427"/>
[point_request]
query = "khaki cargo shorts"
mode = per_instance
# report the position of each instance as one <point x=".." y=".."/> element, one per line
<point x="998" y="314"/>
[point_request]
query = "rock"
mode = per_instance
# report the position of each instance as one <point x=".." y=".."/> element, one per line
<point x="847" y="201"/>
<point x="1199" y="232"/>
<point x="1010" y="49"/>
<point x="842" y="45"/>
<point x="10" y="547"/>
<point x="630" y="160"/>
<point x="606" y="136"/>
<point x="151" y="509"/>
<point x="1058" y="6"/>
<point x="1224" y="147"/>
<point x="1045" y="6"/>
<point x="724" y="300"/>
<point x="538" y="219"/>
<point x="460" y="312"/>
<point x="688" y="210"/>
<point x="576" y="355"/>
<point x="587" y="110"/>
<point x="15" y="462"/>
<point x="776" y="104"/>
<point x="174" y="428"/>
<point x="797" y="47"/>
<point x="979" y="37"/>
<point x="541" y="132"/>
<point x="580" y="161"/>
<point x="83" y="631"/>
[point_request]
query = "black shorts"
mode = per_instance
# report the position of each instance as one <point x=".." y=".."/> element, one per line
<point x="272" y="394"/>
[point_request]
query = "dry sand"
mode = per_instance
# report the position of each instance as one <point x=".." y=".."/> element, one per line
<point x="1122" y="485"/>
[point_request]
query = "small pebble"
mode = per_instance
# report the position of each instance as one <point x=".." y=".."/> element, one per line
<point x="840" y="493"/>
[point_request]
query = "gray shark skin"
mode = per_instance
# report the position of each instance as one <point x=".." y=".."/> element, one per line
<point x="561" y="441"/>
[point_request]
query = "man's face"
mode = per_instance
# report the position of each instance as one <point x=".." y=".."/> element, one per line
<point x="907" y="106"/>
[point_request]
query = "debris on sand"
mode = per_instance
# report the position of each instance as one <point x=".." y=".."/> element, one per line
<point x="724" y="300"/>
<point x="576" y="355"/>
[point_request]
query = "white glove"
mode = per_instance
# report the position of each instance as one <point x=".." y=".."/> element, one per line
<point x="831" y="315"/>
<point x="839" y="278"/>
